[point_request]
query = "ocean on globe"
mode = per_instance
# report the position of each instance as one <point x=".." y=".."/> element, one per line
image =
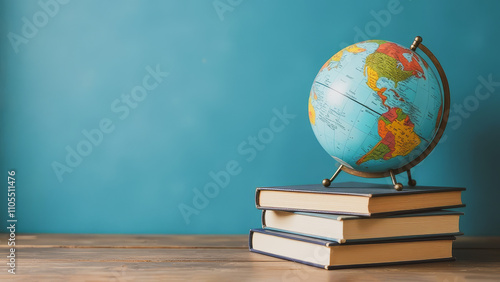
<point x="375" y="106"/>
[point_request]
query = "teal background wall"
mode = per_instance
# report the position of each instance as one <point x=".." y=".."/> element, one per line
<point x="224" y="69"/>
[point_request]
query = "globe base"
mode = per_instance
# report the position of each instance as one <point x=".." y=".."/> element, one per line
<point x="326" y="182"/>
<point x="392" y="173"/>
<point x="398" y="186"/>
<point x="411" y="181"/>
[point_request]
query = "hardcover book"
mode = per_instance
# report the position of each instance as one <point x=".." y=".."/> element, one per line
<point x="331" y="255"/>
<point x="348" y="228"/>
<point x="363" y="199"/>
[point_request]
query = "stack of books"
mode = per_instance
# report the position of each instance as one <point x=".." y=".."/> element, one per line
<point x="356" y="224"/>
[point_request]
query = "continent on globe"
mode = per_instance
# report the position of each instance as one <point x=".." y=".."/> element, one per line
<point x="312" y="113"/>
<point x="398" y="138"/>
<point x="408" y="61"/>
<point x="394" y="127"/>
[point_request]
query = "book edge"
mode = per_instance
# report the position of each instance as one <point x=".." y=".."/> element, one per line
<point x="330" y="243"/>
<point x="389" y="263"/>
<point x="439" y="212"/>
<point x="382" y="214"/>
<point x="257" y="201"/>
<point x="408" y="191"/>
<point x="370" y="240"/>
<point x="289" y="259"/>
<point x="263" y="218"/>
<point x="307" y="239"/>
<point x="333" y="267"/>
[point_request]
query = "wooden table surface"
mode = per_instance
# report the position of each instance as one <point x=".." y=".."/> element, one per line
<point x="71" y="257"/>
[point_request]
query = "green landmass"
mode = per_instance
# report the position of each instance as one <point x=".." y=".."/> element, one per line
<point x="401" y="114"/>
<point x="379" y="42"/>
<point x="386" y="66"/>
<point x="384" y="119"/>
<point x="377" y="153"/>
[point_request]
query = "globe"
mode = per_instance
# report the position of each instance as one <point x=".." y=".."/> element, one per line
<point x="375" y="106"/>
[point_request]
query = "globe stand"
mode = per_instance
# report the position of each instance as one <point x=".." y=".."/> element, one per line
<point x="398" y="186"/>
<point x="445" y="112"/>
<point x="327" y="182"/>
<point x="411" y="181"/>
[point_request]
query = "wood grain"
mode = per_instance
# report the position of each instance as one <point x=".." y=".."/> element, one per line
<point x="71" y="257"/>
<point x="129" y="241"/>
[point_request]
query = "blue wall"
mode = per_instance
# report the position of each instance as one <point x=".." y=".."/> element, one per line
<point x="208" y="76"/>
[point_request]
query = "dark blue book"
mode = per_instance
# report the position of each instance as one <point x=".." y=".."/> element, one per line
<point x="363" y="199"/>
<point x="332" y="255"/>
<point x="351" y="228"/>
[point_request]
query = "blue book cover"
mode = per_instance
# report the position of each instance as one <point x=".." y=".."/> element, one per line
<point x="362" y="199"/>
<point x="319" y="252"/>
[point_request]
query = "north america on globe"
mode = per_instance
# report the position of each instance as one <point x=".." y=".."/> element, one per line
<point x="375" y="106"/>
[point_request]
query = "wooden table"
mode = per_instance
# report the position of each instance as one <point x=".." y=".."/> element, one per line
<point x="57" y="257"/>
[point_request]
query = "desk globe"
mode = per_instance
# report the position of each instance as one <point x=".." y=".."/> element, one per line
<point x="379" y="108"/>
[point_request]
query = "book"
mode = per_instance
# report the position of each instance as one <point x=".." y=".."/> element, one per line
<point x="331" y="255"/>
<point x="363" y="199"/>
<point x="347" y="228"/>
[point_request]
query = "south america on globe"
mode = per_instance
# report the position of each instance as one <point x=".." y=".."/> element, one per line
<point x="375" y="106"/>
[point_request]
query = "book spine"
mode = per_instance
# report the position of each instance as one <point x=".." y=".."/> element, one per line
<point x="257" y="195"/>
<point x="263" y="219"/>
